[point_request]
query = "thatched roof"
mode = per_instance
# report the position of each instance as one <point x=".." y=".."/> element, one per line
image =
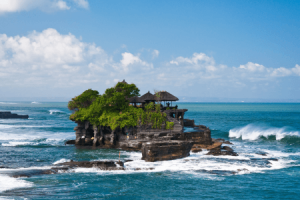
<point x="148" y="97"/>
<point x="165" y="96"/>
<point x="136" y="99"/>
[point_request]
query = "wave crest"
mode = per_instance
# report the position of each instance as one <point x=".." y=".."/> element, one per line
<point x="55" y="111"/>
<point x="9" y="183"/>
<point x="254" y="132"/>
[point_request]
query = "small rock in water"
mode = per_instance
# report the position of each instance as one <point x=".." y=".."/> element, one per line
<point x="227" y="148"/>
<point x="262" y="153"/>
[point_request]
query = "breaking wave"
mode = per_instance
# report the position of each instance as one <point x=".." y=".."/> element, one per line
<point x="199" y="164"/>
<point x="55" y="111"/>
<point x="61" y="161"/>
<point x="9" y="183"/>
<point x="254" y="132"/>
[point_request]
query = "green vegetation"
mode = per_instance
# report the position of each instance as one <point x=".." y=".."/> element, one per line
<point x="169" y="125"/>
<point x="112" y="108"/>
<point x="84" y="100"/>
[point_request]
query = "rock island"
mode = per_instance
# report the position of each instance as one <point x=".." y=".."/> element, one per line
<point x="122" y="119"/>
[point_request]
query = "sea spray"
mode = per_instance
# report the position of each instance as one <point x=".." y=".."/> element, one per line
<point x="9" y="183"/>
<point x="254" y="132"/>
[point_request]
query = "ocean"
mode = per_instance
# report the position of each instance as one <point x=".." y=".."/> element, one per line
<point x="265" y="135"/>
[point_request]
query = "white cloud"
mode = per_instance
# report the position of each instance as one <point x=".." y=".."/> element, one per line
<point x="197" y="58"/>
<point x="50" y="58"/>
<point x="253" y="67"/>
<point x="44" y="5"/>
<point x="296" y="70"/>
<point x="53" y="60"/>
<point x="61" y="5"/>
<point x="129" y="59"/>
<point x="155" y="53"/>
<point x="82" y="3"/>
<point x="281" y="71"/>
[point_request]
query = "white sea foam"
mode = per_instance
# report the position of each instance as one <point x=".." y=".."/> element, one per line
<point x="6" y="170"/>
<point x="198" y="164"/>
<point x="13" y="144"/>
<point x="9" y="183"/>
<point x="34" y="138"/>
<point x="5" y="126"/>
<point x="55" y="111"/>
<point x="253" y="132"/>
<point x="61" y="161"/>
<point x="34" y="102"/>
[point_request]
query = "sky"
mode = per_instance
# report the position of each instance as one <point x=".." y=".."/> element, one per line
<point x="197" y="50"/>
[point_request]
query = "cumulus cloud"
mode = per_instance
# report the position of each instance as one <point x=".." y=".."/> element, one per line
<point x="44" y="5"/>
<point x="129" y="59"/>
<point x="204" y="64"/>
<point x="82" y="3"/>
<point x="49" y="57"/>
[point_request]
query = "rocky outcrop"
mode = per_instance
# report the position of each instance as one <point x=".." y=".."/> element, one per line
<point x="66" y="166"/>
<point x="217" y="150"/>
<point x="9" y="115"/>
<point x="224" y="151"/>
<point x="103" y="165"/>
<point x="155" y="144"/>
<point x="165" y="150"/>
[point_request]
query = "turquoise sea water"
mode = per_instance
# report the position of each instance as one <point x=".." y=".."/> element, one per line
<point x="253" y="128"/>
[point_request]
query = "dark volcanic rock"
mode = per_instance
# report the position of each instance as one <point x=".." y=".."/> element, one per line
<point x="165" y="150"/>
<point x="9" y="115"/>
<point x="261" y="153"/>
<point x="189" y="123"/>
<point x="227" y="148"/>
<point x="222" y="152"/>
<point x="70" y="142"/>
<point x="64" y="167"/>
<point x="131" y="145"/>
<point x="221" y="140"/>
<point x="103" y="165"/>
<point x="196" y="149"/>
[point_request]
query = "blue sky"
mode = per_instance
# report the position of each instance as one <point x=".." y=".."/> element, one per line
<point x="198" y="50"/>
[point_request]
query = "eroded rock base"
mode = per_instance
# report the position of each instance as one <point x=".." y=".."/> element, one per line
<point x="167" y="150"/>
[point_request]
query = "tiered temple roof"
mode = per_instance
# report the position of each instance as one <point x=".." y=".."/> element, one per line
<point x="136" y="99"/>
<point x="165" y="96"/>
<point x="148" y="97"/>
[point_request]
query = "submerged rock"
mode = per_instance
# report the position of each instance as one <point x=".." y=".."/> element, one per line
<point x="262" y="153"/>
<point x="165" y="150"/>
